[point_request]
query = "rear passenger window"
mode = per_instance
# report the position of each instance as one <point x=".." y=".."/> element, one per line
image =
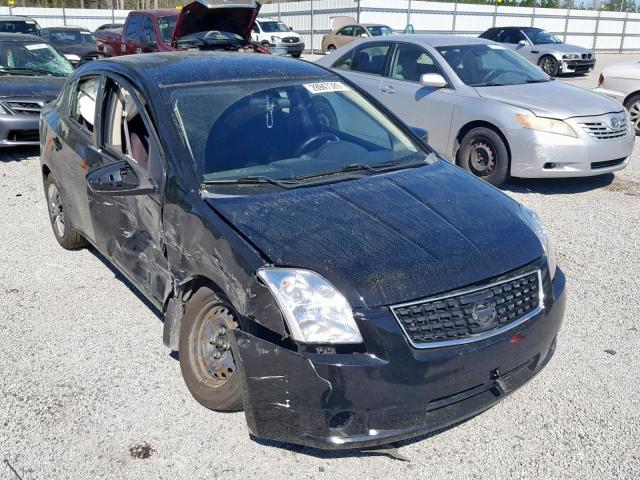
<point x="370" y="58"/>
<point x="83" y="102"/>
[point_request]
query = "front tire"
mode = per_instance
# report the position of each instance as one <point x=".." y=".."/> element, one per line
<point x="64" y="231"/>
<point x="633" y="106"/>
<point x="207" y="356"/>
<point x="549" y="65"/>
<point x="483" y="153"/>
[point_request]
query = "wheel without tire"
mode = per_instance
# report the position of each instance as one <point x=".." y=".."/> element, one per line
<point x="207" y="358"/>
<point x="633" y="105"/>
<point x="549" y="65"/>
<point x="64" y="231"/>
<point x="483" y="153"/>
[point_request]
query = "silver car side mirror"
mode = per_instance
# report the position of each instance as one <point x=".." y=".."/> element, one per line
<point x="522" y="43"/>
<point x="434" y="80"/>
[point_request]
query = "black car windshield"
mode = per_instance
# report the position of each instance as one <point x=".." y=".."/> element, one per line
<point x="166" y="25"/>
<point x="19" y="26"/>
<point x="286" y="130"/>
<point x="488" y="65"/>
<point x="71" y="37"/>
<point x="540" y="37"/>
<point x="32" y="58"/>
<point x="379" y="30"/>
<point x="274" y="26"/>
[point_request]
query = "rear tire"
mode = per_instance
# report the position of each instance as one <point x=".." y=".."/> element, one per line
<point x="633" y="106"/>
<point x="207" y="356"/>
<point x="64" y="231"/>
<point x="549" y="65"/>
<point x="331" y="48"/>
<point x="483" y="153"/>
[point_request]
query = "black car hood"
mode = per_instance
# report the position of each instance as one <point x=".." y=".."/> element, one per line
<point x="80" y="50"/>
<point x="389" y="238"/>
<point x="37" y="87"/>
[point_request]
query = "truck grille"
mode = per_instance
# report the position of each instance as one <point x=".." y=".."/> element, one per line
<point x="24" y="108"/>
<point x="290" y="39"/>
<point x="469" y="315"/>
<point x="606" y="131"/>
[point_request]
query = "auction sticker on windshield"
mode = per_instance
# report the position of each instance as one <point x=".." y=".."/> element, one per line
<point x="326" y="87"/>
<point x="36" y="46"/>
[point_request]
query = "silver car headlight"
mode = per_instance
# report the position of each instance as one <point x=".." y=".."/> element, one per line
<point x="532" y="219"/>
<point x="543" y="124"/>
<point x="571" y="56"/>
<point x="314" y="310"/>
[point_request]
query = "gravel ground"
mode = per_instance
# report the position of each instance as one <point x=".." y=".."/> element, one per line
<point x="88" y="391"/>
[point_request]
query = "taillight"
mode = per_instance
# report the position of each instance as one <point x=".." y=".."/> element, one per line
<point x="600" y="79"/>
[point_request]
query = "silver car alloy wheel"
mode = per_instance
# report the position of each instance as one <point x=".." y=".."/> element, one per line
<point x="548" y="65"/>
<point x="634" y="116"/>
<point x="56" y="211"/>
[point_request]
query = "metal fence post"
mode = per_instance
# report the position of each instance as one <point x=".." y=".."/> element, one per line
<point x="409" y="13"/>
<point x="113" y="16"/>
<point x="495" y="13"/>
<point x="455" y="14"/>
<point x="279" y="16"/>
<point x="624" y="31"/>
<point x="595" y="33"/>
<point x="312" y="27"/>
<point x="358" y="12"/>
<point x="566" y="25"/>
<point x="533" y="15"/>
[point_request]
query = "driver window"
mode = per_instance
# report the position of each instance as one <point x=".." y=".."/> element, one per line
<point x="83" y="102"/>
<point x="126" y="132"/>
<point x="411" y="62"/>
<point x="359" y="32"/>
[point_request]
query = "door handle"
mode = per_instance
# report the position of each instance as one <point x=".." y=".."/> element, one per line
<point x="57" y="144"/>
<point x="388" y="89"/>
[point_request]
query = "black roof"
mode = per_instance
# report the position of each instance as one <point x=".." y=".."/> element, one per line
<point x="66" y="29"/>
<point x="20" y="37"/>
<point x="514" y="28"/>
<point x="171" y="68"/>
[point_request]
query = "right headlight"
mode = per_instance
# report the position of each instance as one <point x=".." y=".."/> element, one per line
<point x="315" y="311"/>
<point x="532" y="219"/>
<point x="543" y="124"/>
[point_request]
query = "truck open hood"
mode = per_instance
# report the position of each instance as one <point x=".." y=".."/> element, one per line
<point x="233" y="16"/>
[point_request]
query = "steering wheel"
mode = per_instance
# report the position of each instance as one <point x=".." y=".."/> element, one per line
<point x="326" y="136"/>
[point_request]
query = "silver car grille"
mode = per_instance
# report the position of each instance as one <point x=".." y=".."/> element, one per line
<point x="606" y="129"/>
<point x="20" y="107"/>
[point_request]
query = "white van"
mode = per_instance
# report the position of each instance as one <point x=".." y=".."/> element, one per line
<point x="271" y="32"/>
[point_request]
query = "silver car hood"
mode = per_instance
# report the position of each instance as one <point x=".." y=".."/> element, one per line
<point x="561" y="48"/>
<point x="553" y="99"/>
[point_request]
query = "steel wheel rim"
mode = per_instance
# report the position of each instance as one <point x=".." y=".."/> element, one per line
<point x="634" y="116"/>
<point x="211" y="349"/>
<point x="547" y="66"/>
<point x="482" y="158"/>
<point x="56" y="212"/>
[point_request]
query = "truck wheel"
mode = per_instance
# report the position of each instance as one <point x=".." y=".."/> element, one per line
<point x="549" y="65"/>
<point x="64" y="231"/>
<point x="207" y="357"/>
<point x="633" y="105"/>
<point x="483" y="153"/>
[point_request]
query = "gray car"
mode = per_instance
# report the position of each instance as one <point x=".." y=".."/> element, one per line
<point x="488" y="109"/>
<point x="622" y="81"/>
<point x="544" y="49"/>
<point x="32" y="73"/>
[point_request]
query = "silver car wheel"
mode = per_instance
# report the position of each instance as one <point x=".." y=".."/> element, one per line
<point x="483" y="157"/>
<point x="548" y="66"/>
<point x="56" y="211"/>
<point x="634" y="115"/>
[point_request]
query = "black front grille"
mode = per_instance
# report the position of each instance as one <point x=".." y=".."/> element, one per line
<point x="586" y="55"/>
<point x="23" y="135"/>
<point x="24" y="108"/>
<point x="607" y="164"/>
<point x="471" y="313"/>
<point x="290" y="40"/>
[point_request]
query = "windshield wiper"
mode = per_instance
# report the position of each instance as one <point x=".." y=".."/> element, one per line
<point x="372" y="167"/>
<point x="539" y="81"/>
<point x="252" y="180"/>
<point x="27" y="71"/>
<point x="490" y="84"/>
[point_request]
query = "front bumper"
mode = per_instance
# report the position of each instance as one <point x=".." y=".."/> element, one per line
<point x="290" y="48"/>
<point x="19" y="130"/>
<point x="577" y="66"/>
<point x="392" y="392"/>
<point x="536" y="154"/>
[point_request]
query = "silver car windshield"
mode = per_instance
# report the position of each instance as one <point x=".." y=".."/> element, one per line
<point x="489" y="65"/>
<point x="286" y="130"/>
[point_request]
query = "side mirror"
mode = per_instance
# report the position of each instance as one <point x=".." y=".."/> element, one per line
<point x="119" y="179"/>
<point x="422" y="133"/>
<point x="291" y="28"/>
<point x="364" y="35"/>
<point x="434" y="80"/>
<point x="522" y="43"/>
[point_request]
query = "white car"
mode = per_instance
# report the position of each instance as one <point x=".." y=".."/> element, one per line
<point x="622" y="82"/>
<point x="273" y="33"/>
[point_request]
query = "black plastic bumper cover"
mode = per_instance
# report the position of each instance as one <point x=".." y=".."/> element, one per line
<point x="361" y="400"/>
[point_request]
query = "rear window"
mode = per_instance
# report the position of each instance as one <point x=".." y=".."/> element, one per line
<point x="19" y="26"/>
<point x="166" y="25"/>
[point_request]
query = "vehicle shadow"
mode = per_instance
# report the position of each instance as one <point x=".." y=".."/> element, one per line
<point x="18" y="154"/>
<point x="354" y="453"/>
<point x="558" y="186"/>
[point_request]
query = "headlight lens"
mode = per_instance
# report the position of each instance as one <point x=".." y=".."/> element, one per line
<point x="543" y="124"/>
<point x="274" y="39"/>
<point x="314" y="310"/>
<point x="72" y="57"/>
<point x="533" y="220"/>
<point x="571" y="56"/>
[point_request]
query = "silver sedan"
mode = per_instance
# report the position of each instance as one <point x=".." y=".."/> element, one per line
<point x="622" y="81"/>
<point x="489" y="110"/>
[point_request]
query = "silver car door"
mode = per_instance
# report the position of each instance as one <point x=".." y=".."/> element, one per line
<point x="528" y="50"/>
<point x="418" y="106"/>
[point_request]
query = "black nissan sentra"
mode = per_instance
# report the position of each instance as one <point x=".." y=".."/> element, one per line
<point x="317" y="265"/>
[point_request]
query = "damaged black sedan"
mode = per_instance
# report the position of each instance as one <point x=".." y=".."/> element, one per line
<point x="317" y="265"/>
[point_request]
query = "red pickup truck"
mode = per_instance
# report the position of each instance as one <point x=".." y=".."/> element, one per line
<point x="198" y="25"/>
